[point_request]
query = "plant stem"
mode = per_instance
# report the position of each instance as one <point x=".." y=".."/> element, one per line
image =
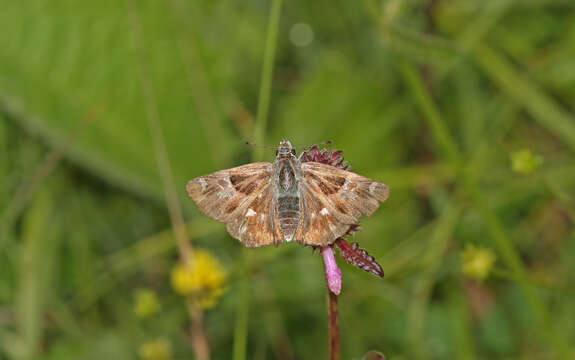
<point x="267" y="76"/>
<point x="333" y="282"/>
<point x="243" y="310"/>
<point x="332" y="325"/>
<point x="198" y="335"/>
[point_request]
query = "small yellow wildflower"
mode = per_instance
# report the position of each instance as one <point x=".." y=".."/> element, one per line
<point x="204" y="281"/>
<point x="477" y="262"/>
<point x="159" y="349"/>
<point x="146" y="303"/>
<point x="525" y="162"/>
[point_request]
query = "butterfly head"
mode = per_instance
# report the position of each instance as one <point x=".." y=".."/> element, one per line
<point x="285" y="150"/>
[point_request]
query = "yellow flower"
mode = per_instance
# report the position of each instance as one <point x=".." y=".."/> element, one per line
<point x="204" y="281"/>
<point x="159" y="349"/>
<point x="477" y="262"/>
<point x="146" y="303"/>
<point x="525" y="162"/>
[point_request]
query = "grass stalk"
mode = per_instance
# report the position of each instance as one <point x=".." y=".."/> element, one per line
<point x="539" y="105"/>
<point x="33" y="292"/>
<point x="426" y="281"/>
<point x="431" y="113"/>
<point x="204" y="97"/>
<point x="267" y="77"/>
<point x="242" y="313"/>
<point x="198" y="336"/>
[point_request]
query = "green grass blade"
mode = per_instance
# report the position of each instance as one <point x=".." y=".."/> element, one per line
<point x="35" y="268"/>
<point x="266" y="77"/>
<point x="526" y="94"/>
<point x="424" y="285"/>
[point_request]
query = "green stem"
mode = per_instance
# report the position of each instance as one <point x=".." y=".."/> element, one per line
<point x="438" y="127"/>
<point x="242" y="315"/>
<point x="425" y="283"/>
<point x="267" y="76"/>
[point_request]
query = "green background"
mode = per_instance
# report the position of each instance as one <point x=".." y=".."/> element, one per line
<point x="431" y="97"/>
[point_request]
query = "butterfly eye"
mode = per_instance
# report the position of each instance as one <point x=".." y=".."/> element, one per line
<point x="293" y="151"/>
<point x="276" y="153"/>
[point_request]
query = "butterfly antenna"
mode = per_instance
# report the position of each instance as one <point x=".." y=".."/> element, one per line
<point x="260" y="146"/>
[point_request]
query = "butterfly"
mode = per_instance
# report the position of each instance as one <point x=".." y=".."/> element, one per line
<point x="266" y="203"/>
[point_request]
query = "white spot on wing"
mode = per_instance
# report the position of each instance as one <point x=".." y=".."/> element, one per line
<point x="331" y="227"/>
<point x="203" y="183"/>
<point x="226" y="194"/>
<point x="312" y="215"/>
<point x="345" y="184"/>
<point x="227" y="190"/>
<point x="289" y="238"/>
<point x="348" y="195"/>
<point x="372" y="187"/>
<point x="262" y="217"/>
<point x="324" y="211"/>
<point x="250" y="212"/>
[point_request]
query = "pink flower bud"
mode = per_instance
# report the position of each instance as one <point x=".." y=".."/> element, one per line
<point x="332" y="272"/>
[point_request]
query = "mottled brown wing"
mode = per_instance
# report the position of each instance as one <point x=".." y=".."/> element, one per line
<point x="242" y="198"/>
<point x="334" y="199"/>
<point x="317" y="227"/>
<point x="257" y="224"/>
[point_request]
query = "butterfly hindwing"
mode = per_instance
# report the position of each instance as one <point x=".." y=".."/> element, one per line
<point x="255" y="226"/>
<point x="318" y="226"/>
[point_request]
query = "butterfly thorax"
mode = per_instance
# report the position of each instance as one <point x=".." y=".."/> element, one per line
<point x="288" y="195"/>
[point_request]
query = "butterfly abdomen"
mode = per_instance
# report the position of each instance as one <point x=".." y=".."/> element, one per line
<point x="288" y="215"/>
<point x="288" y="207"/>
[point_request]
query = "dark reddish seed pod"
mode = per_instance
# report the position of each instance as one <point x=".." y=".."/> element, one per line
<point x="359" y="257"/>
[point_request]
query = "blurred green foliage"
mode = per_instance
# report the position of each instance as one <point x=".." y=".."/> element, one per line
<point x="435" y="98"/>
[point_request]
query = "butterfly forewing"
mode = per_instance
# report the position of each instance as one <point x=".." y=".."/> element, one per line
<point x="349" y="193"/>
<point x="222" y="194"/>
<point x="334" y="199"/>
